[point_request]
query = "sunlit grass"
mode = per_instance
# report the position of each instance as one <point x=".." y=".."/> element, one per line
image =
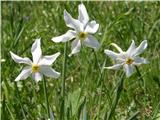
<point x="89" y="90"/>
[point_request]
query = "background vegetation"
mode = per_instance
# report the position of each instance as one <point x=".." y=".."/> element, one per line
<point x="89" y="91"/>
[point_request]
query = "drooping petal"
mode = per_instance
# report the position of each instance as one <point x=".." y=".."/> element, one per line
<point x="49" y="59"/>
<point x="75" y="47"/>
<point x="117" y="47"/>
<point x="83" y="15"/>
<point x="131" y="49"/>
<point x="26" y="71"/>
<point x="49" y="72"/>
<point x="111" y="54"/>
<point x="141" y="47"/>
<point x="91" y="42"/>
<point x="140" y="60"/>
<point x="36" y="51"/>
<point x="128" y="69"/>
<point x="92" y="27"/>
<point x="72" y="23"/>
<point x="37" y="76"/>
<point x="114" y="67"/>
<point x="69" y="35"/>
<point x="18" y="59"/>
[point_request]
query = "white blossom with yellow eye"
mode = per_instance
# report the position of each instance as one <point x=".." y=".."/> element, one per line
<point x="40" y="66"/>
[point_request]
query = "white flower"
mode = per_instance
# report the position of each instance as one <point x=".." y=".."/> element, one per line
<point x="128" y="59"/>
<point x="40" y="66"/>
<point x="83" y="30"/>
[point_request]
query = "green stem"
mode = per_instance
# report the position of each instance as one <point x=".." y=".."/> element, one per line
<point x="140" y="76"/>
<point x="116" y="98"/>
<point x="46" y="97"/>
<point x="63" y="81"/>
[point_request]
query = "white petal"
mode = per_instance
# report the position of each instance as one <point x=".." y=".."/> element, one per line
<point x="92" y="27"/>
<point x="36" y="51"/>
<point x="83" y="15"/>
<point x="117" y="47"/>
<point x="49" y="59"/>
<point x="76" y="46"/>
<point x="91" y="42"/>
<point x="111" y="54"/>
<point x="128" y="69"/>
<point x="18" y="59"/>
<point x="115" y="67"/>
<point x="120" y="60"/>
<point x="49" y="72"/>
<point x="70" y="34"/>
<point x="24" y="73"/>
<point x="141" y="47"/>
<point x="131" y="49"/>
<point x="37" y="76"/>
<point x="72" y="23"/>
<point x="140" y="60"/>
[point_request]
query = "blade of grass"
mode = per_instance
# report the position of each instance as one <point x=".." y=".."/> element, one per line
<point x="19" y="98"/>
<point x="133" y="117"/>
<point x="116" y="98"/>
<point x="10" y="112"/>
<point x="63" y="82"/>
<point x="46" y="97"/>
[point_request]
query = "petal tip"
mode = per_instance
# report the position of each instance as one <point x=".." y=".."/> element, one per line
<point x="16" y="80"/>
<point x="58" y="53"/>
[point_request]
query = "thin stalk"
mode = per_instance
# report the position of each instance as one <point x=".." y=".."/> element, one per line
<point x="46" y="97"/>
<point x="63" y="81"/>
<point x="117" y="96"/>
<point x="140" y="76"/>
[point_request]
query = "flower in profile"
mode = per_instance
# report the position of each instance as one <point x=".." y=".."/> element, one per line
<point x="128" y="59"/>
<point x="82" y="32"/>
<point x="40" y="66"/>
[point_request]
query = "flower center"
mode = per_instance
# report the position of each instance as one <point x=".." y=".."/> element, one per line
<point x="35" y="68"/>
<point x="82" y="35"/>
<point x="129" y="61"/>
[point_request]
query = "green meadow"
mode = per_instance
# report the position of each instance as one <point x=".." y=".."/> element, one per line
<point x="84" y="91"/>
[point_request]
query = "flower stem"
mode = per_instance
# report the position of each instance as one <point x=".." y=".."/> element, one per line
<point x="117" y="96"/>
<point x="140" y="76"/>
<point x="63" y="82"/>
<point x="46" y="97"/>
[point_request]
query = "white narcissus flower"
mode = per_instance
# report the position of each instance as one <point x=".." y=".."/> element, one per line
<point x="128" y="59"/>
<point x="82" y="32"/>
<point x="40" y="66"/>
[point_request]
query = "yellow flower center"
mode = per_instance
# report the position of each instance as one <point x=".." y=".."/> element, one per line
<point x="82" y="35"/>
<point x="35" y="68"/>
<point x="129" y="61"/>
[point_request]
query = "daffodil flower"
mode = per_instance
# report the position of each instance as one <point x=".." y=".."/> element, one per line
<point x="40" y="66"/>
<point x="82" y="32"/>
<point x="128" y="59"/>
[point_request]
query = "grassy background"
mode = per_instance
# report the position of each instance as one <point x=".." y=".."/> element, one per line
<point x="88" y="93"/>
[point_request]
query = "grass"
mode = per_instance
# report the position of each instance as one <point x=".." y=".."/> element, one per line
<point x="89" y="91"/>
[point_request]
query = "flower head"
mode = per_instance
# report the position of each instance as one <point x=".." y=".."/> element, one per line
<point x="40" y="66"/>
<point x="128" y="59"/>
<point x="82" y="31"/>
